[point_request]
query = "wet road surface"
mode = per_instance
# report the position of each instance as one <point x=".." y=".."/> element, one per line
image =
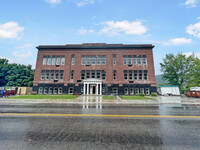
<point x="91" y="132"/>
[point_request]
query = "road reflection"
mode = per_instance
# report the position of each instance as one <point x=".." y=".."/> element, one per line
<point x="94" y="100"/>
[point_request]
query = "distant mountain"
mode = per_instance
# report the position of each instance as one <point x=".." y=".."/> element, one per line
<point x="159" y="80"/>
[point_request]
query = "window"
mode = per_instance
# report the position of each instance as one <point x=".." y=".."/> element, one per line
<point x="59" y="90"/>
<point x="103" y="60"/>
<point x="73" y="59"/>
<point x="55" y="90"/>
<point x="125" y="59"/>
<point x="87" y="74"/>
<point x="142" y="90"/>
<point x="71" y="90"/>
<point x="98" y="60"/>
<point x="144" y="59"/>
<point x="98" y="74"/>
<point x="50" y="90"/>
<point x="134" y="60"/>
<point x="45" y="90"/>
<point x="114" y="60"/>
<point x="140" y="74"/>
<point x="130" y="75"/>
<point x="52" y="75"/>
<point x="62" y="60"/>
<point x="40" y="90"/>
<point x="136" y="91"/>
<point x="61" y="74"/>
<point x="93" y="60"/>
<point x="132" y="91"/>
<point x="42" y="75"/>
<point x="49" y="60"/>
<point x="115" y="91"/>
<point x="147" y="91"/>
<point x="83" y="60"/>
<point x="145" y="75"/>
<point x="126" y="91"/>
<point x="47" y="75"/>
<point x="57" y="75"/>
<point x="135" y="75"/>
<point x="82" y="74"/>
<point x="114" y="75"/>
<point x="58" y="60"/>
<point x="125" y="75"/>
<point x="93" y="74"/>
<point x="72" y="75"/>
<point x="103" y="75"/>
<point x="88" y="60"/>
<point x="139" y="60"/>
<point x="129" y="60"/>
<point x="44" y="60"/>
<point x="53" y="60"/>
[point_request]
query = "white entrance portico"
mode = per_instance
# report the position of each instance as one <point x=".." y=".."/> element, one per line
<point x="92" y="87"/>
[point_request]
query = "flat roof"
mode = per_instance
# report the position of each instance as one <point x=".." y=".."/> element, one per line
<point x="168" y="86"/>
<point x="96" y="46"/>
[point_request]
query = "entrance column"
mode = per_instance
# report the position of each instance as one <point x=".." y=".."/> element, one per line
<point x="97" y="92"/>
<point x="100" y="88"/>
<point x="84" y="89"/>
<point x="87" y="88"/>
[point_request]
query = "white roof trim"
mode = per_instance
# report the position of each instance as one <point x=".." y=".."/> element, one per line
<point x="92" y="80"/>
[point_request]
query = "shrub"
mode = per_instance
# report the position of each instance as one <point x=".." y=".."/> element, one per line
<point x="141" y="94"/>
<point x="153" y="94"/>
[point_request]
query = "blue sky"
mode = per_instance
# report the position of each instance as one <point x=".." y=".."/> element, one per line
<point x="173" y="26"/>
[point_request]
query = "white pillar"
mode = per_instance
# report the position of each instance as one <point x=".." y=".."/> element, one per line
<point x="100" y="89"/>
<point x="84" y="89"/>
<point x="97" y="92"/>
<point x="88" y="89"/>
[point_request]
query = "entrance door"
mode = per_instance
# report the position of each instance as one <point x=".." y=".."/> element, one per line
<point x="92" y="89"/>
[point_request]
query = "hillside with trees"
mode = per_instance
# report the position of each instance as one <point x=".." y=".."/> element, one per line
<point x="15" y="74"/>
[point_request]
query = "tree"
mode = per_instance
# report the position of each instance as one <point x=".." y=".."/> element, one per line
<point x="176" y="69"/>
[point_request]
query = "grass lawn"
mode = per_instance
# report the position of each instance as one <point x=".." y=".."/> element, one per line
<point x="108" y="97"/>
<point x="135" y="97"/>
<point x="44" y="97"/>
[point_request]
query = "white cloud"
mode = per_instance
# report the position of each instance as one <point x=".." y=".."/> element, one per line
<point x="84" y="2"/>
<point x="53" y="1"/>
<point x="194" y="30"/>
<point x="11" y="60"/>
<point x="10" y="30"/>
<point x="83" y="31"/>
<point x="21" y="54"/>
<point x="25" y="46"/>
<point x="197" y="54"/>
<point x="191" y="3"/>
<point x="115" y="28"/>
<point x="178" y="41"/>
<point x="198" y="18"/>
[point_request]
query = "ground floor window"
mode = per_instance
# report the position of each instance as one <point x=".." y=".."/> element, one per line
<point x="103" y="89"/>
<point x="50" y="90"/>
<point x="115" y="91"/>
<point x="46" y="90"/>
<point x="132" y="91"/>
<point x="71" y="90"/>
<point x="40" y="90"/>
<point x="136" y="91"/>
<point x="147" y="91"/>
<point x="142" y="90"/>
<point x="59" y="90"/>
<point x="126" y="91"/>
<point x="55" y="90"/>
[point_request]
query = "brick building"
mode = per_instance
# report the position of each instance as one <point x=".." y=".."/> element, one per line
<point x="95" y="69"/>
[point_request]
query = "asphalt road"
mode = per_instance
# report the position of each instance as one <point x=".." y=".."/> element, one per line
<point x="32" y="127"/>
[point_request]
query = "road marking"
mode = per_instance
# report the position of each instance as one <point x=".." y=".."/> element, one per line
<point x="94" y="115"/>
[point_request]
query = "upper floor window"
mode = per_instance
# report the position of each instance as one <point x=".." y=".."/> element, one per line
<point x="98" y="60"/>
<point x="98" y="74"/>
<point x="42" y="75"/>
<point x="140" y="74"/>
<point x="125" y="59"/>
<point x="93" y="60"/>
<point x="130" y="75"/>
<point x="93" y="74"/>
<point x="145" y="75"/>
<point x="144" y="59"/>
<point x="72" y="75"/>
<point x="125" y="75"/>
<point x="82" y="74"/>
<point x="135" y="74"/>
<point x="103" y="60"/>
<point x="58" y="60"/>
<point x="62" y="60"/>
<point x="83" y="60"/>
<point x="87" y="74"/>
<point x="73" y="59"/>
<point x="114" y="75"/>
<point x="53" y="60"/>
<point x="114" y="59"/>
<point x="44" y="60"/>
<point x="52" y="75"/>
<point x="49" y="60"/>
<point x="88" y="60"/>
<point x="103" y="75"/>
<point x="139" y="60"/>
<point x="47" y="75"/>
<point x="134" y="59"/>
<point x="129" y="60"/>
<point x="61" y="74"/>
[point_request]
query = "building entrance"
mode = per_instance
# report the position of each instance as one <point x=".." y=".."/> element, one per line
<point x="92" y="87"/>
